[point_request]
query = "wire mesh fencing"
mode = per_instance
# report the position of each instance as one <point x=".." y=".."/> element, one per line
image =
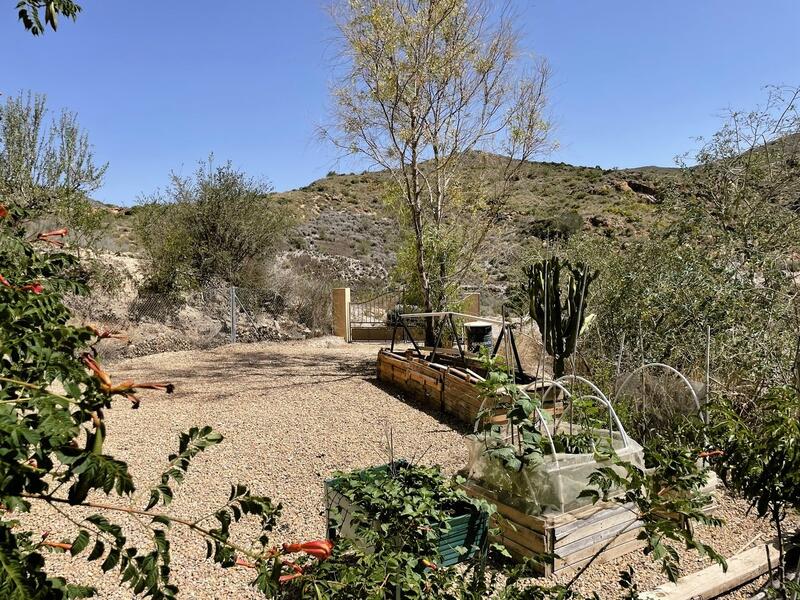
<point x="212" y="316"/>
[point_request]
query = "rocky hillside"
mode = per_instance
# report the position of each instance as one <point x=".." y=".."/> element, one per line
<point x="345" y="231"/>
<point x="346" y="215"/>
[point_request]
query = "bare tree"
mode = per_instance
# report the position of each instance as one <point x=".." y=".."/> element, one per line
<point x="428" y="84"/>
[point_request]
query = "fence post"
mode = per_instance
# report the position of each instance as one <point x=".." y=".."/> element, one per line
<point x="341" y="312"/>
<point x="233" y="314"/>
<point x="472" y="304"/>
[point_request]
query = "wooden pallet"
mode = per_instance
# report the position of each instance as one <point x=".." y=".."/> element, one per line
<point x="605" y="529"/>
<point x="441" y="387"/>
<point x="444" y="389"/>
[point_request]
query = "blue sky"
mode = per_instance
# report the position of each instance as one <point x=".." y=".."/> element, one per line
<point x="159" y="85"/>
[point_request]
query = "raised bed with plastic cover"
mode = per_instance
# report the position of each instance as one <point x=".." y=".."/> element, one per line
<point x="534" y="468"/>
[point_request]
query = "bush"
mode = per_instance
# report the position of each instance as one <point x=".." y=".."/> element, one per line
<point x="219" y="224"/>
<point x="47" y="166"/>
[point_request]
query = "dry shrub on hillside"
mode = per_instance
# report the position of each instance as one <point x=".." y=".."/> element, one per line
<point x="303" y="298"/>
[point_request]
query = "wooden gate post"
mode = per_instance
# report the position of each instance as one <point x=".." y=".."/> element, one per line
<point x="472" y="304"/>
<point x="341" y="312"/>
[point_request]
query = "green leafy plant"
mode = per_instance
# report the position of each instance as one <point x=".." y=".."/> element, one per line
<point x="502" y="396"/>
<point x="396" y="515"/>
<point x="217" y="225"/>
<point x="29" y="12"/>
<point x="759" y="457"/>
<point x="53" y="396"/>
<point x="666" y="499"/>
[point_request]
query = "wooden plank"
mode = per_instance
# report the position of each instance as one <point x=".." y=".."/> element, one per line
<point x="603" y="541"/>
<point x="615" y="524"/>
<point x="602" y="519"/>
<point x="712" y="581"/>
<point x="608" y="555"/>
<point x="392" y="359"/>
<point x="527" y="538"/>
<point x="423" y="379"/>
<point x="520" y="553"/>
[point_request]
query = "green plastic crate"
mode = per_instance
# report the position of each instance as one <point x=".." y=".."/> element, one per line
<point x="468" y="530"/>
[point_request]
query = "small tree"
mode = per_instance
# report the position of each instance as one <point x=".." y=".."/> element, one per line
<point x="218" y="224"/>
<point x="760" y="459"/>
<point x="428" y="84"/>
<point x="46" y="163"/>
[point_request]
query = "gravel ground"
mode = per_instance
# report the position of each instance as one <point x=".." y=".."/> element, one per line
<point x="291" y="414"/>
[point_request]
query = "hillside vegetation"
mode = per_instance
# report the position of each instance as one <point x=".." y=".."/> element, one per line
<point x="346" y="228"/>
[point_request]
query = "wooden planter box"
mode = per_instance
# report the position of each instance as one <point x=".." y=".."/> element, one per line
<point x="607" y="528"/>
<point x="445" y="389"/>
<point x="467" y="530"/>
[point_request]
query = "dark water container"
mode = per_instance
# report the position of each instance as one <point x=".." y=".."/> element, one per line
<point x="479" y="335"/>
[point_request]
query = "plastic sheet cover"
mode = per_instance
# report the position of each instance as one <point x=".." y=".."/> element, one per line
<point x="552" y="484"/>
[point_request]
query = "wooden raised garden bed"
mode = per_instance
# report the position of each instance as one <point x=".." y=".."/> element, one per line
<point x="575" y="536"/>
<point x="446" y="389"/>
<point x="467" y="529"/>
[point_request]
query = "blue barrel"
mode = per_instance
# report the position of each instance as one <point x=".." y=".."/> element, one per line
<point x="479" y="335"/>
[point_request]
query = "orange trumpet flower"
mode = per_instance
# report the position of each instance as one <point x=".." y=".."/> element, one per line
<point x="320" y="549"/>
<point x="48" y="236"/>
<point x="127" y="388"/>
<point x="298" y="571"/>
<point x="34" y="287"/>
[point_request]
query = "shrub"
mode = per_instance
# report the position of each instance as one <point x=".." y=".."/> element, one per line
<point x="214" y="225"/>
<point x="759" y="457"/>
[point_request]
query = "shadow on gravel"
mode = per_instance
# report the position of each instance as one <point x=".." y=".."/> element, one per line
<point x="260" y="370"/>
<point x="451" y="422"/>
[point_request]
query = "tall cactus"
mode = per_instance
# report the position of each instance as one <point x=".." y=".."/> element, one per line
<point x="560" y="320"/>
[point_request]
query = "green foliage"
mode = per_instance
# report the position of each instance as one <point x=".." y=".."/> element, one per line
<point x="46" y="163"/>
<point x="397" y="515"/>
<point x="218" y="224"/>
<point x="560" y="320"/>
<point x="29" y="13"/>
<point x="44" y="460"/>
<point x="501" y="395"/>
<point x="760" y="457"/>
<point x="86" y="222"/>
<point x="192" y="443"/>
<point x="667" y="500"/>
<point x="410" y="503"/>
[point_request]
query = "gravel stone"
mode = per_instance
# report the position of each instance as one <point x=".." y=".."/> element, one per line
<point x="291" y="413"/>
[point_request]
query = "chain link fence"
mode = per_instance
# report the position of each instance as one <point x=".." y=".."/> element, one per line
<point x="212" y="316"/>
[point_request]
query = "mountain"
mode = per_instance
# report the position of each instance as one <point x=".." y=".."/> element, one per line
<point x="346" y="215"/>
<point x="346" y="232"/>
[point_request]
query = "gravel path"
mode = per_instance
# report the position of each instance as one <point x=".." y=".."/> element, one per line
<point x="291" y="414"/>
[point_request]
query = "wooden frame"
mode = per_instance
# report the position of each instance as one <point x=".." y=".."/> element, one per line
<point x="605" y="529"/>
<point x="448" y="390"/>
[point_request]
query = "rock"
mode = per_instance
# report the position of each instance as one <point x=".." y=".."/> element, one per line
<point x="642" y="188"/>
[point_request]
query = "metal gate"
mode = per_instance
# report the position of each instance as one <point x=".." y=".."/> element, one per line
<point x="372" y="320"/>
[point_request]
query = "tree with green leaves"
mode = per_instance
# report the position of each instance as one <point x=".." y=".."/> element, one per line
<point x="431" y="87"/>
<point x="30" y="13"/>
<point x="47" y="163"/>
<point x="759" y="458"/>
